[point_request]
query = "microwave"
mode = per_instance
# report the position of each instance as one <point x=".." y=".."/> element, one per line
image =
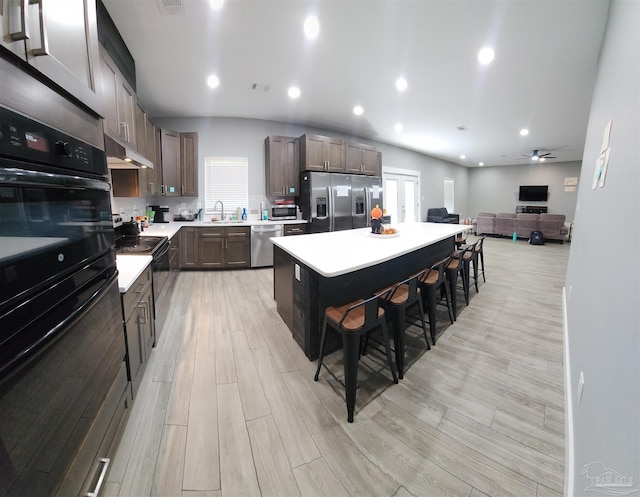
<point x="282" y="212"/>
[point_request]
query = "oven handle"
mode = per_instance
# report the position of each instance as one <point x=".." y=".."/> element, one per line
<point x="58" y="330"/>
<point x="164" y="251"/>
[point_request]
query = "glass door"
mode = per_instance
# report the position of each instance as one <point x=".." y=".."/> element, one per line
<point x="402" y="197"/>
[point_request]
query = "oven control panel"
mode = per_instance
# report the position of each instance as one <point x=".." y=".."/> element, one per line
<point x="24" y="139"/>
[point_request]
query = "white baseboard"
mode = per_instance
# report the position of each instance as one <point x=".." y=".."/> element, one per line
<point x="569" y="465"/>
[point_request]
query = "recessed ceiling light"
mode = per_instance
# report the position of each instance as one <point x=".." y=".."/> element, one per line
<point x="486" y="55"/>
<point x="398" y="127"/>
<point x="524" y="132"/>
<point x="294" y="92"/>
<point x="357" y="110"/>
<point x="311" y="27"/>
<point x="481" y="164"/>
<point x="542" y="159"/>
<point x="216" y="4"/>
<point x="401" y="84"/>
<point x="213" y="81"/>
<point x="463" y="157"/>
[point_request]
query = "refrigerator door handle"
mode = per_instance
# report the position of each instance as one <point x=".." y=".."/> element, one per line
<point x="330" y="212"/>
<point x="367" y="207"/>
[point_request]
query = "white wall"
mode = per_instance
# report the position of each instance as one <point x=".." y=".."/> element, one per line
<point x="602" y="325"/>
<point x="245" y="137"/>
<point x="495" y="189"/>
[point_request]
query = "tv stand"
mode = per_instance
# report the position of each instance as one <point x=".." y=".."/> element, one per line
<point x="531" y="209"/>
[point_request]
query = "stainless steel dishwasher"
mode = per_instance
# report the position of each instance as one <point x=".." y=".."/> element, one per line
<point x="261" y="246"/>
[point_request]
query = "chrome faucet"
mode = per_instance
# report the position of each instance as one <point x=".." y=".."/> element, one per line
<point x="221" y="209"/>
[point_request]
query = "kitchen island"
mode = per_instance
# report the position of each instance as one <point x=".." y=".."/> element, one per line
<point x="312" y="272"/>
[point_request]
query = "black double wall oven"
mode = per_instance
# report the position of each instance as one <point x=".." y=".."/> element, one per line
<point x="63" y="384"/>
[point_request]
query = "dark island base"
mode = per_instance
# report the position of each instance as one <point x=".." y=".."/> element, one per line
<point x="301" y="302"/>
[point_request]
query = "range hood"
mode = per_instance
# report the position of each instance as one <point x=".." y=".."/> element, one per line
<point x="121" y="157"/>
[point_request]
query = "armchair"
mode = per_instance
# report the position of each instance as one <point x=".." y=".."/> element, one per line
<point x="441" y="215"/>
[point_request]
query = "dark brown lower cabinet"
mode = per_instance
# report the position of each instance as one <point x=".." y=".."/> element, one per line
<point x="215" y="247"/>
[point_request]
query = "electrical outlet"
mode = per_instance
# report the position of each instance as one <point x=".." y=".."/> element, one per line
<point x="580" y="386"/>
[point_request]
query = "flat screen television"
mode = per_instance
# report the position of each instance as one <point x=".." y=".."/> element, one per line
<point x="533" y="193"/>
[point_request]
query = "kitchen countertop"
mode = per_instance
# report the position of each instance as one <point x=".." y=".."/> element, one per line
<point x="341" y="252"/>
<point x="130" y="267"/>
<point x="171" y="228"/>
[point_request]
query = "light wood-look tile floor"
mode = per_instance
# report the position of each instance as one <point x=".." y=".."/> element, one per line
<point x="228" y="406"/>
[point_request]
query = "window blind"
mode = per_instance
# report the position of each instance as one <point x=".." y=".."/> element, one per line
<point x="226" y="179"/>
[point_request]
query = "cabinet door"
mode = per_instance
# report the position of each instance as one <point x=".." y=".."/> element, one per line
<point x="188" y="247"/>
<point x="170" y="141"/>
<point x="335" y="155"/>
<point x="292" y="167"/>
<point x="189" y="164"/>
<point x="150" y="178"/>
<point x="211" y="252"/>
<point x="146" y="327"/>
<point x="13" y="29"/>
<point x="63" y="45"/>
<point x="274" y="154"/>
<point x="126" y="112"/>
<point x="141" y="131"/>
<point x="238" y="251"/>
<point x="110" y="83"/>
<point x="370" y="160"/>
<point x="282" y="170"/>
<point x="313" y="157"/>
<point x="353" y="158"/>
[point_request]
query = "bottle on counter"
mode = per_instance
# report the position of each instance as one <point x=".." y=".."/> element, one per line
<point x="265" y="215"/>
<point x="244" y="214"/>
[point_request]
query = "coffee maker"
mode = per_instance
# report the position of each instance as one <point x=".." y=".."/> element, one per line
<point x="159" y="213"/>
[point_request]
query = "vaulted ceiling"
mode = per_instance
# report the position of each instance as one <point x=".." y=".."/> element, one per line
<point x="541" y="79"/>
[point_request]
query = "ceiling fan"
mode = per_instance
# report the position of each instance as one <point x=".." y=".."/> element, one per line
<point x="536" y="155"/>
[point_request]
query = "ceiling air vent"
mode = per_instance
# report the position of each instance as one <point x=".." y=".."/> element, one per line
<point x="259" y="87"/>
<point x="171" y="7"/>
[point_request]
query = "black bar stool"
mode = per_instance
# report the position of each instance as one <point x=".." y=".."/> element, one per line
<point x="432" y="280"/>
<point x="478" y="261"/>
<point x="354" y="321"/>
<point x="459" y="264"/>
<point x="402" y="296"/>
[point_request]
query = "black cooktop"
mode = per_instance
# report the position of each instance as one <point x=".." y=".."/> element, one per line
<point x="143" y="245"/>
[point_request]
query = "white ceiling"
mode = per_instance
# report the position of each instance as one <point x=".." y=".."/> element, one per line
<point x="541" y="79"/>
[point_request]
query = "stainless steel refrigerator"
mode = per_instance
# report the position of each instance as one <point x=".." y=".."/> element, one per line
<point x="366" y="193"/>
<point x="328" y="203"/>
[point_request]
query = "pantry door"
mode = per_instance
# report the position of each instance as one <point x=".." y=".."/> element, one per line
<point x="402" y="196"/>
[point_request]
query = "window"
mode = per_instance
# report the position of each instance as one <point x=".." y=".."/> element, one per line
<point x="226" y="179"/>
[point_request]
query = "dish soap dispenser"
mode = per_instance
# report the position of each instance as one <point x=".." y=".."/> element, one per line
<point x="244" y="213"/>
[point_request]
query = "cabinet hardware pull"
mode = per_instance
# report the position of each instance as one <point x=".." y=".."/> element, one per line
<point x="142" y="319"/>
<point x="126" y="130"/>
<point x="106" y="461"/>
<point x="44" y="42"/>
<point x="23" y="34"/>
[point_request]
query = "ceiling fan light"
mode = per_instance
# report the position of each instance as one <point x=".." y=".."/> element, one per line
<point x="542" y="159"/>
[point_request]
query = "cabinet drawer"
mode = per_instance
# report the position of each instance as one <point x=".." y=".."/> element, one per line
<point x="135" y="293"/>
<point x="205" y="232"/>
<point x="295" y="229"/>
<point x="235" y="231"/>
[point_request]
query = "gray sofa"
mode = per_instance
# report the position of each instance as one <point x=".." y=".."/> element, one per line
<point x="552" y="226"/>
<point x="441" y="215"/>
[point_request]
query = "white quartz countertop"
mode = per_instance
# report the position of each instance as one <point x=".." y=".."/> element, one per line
<point x="130" y="267"/>
<point x="340" y="252"/>
<point x="171" y="228"/>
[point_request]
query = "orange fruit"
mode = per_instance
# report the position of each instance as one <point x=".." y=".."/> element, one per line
<point x="376" y="212"/>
